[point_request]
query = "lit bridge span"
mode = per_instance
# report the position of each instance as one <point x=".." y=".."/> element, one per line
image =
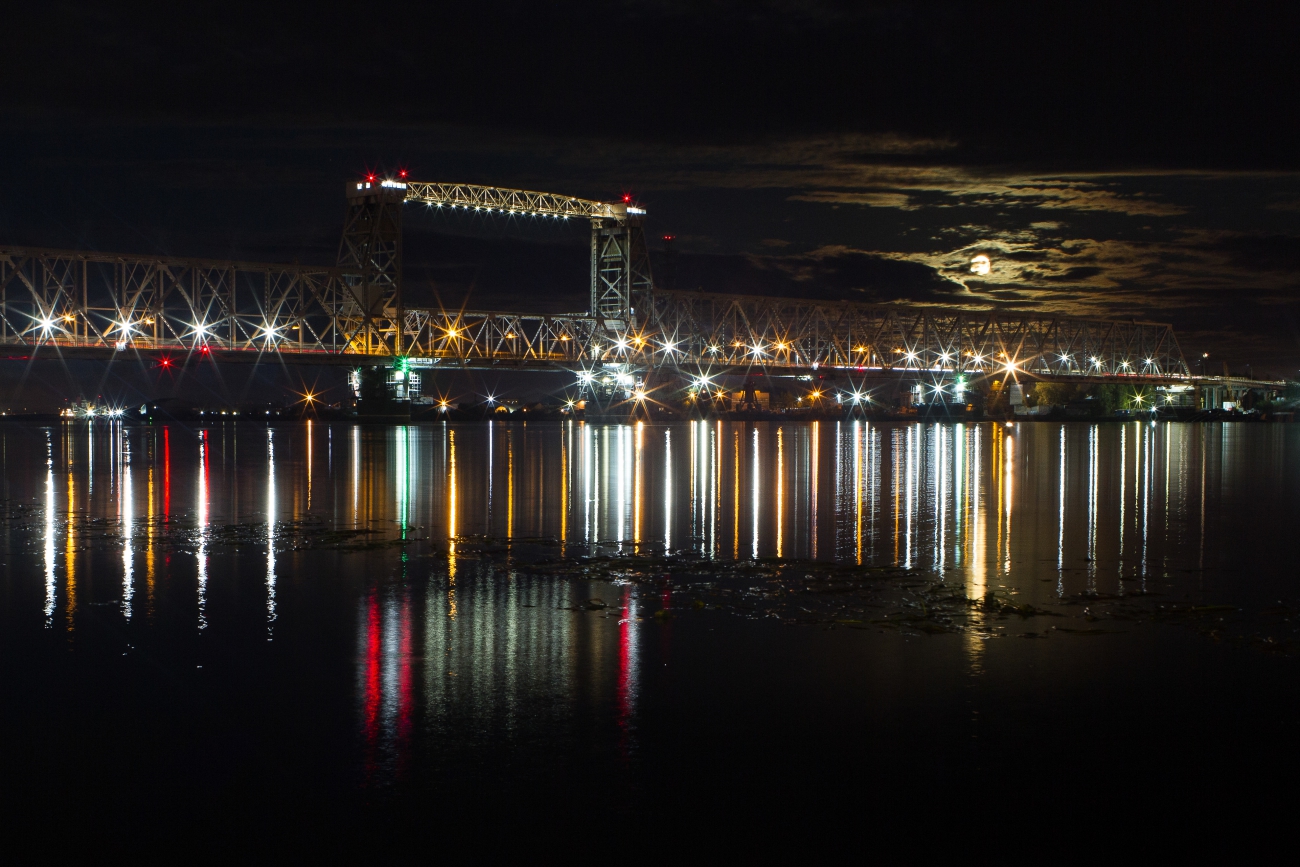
<point x="73" y="304"/>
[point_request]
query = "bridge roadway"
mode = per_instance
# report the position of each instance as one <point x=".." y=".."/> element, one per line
<point x="71" y="304"/>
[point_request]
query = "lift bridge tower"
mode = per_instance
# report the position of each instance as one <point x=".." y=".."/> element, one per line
<point x="370" y="256"/>
<point x="371" y="251"/>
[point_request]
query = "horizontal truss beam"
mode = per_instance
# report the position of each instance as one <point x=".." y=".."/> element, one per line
<point x="111" y="303"/>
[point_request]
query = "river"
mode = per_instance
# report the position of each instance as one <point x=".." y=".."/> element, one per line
<point x="323" y="630"/>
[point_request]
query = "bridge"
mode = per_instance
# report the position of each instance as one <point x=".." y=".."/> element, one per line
<point x="76" y="304"/>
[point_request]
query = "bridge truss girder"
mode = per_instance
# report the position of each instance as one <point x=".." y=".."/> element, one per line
<point x="114" y="302"/>
<point x="733" y="330"/>
<point x="66" y="298"/>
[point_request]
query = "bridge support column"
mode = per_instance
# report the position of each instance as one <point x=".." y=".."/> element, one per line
<point x="380" y="396"/>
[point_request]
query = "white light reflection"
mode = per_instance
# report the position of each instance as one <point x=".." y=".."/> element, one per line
<point x="1092" y="509"/>
<point x="715" y="482"/>
<point x="51" y="589"/>
<point x="1148" y="447"/>
<point x="1060" y="519"/>
<point x="753" y="493"/>
<point x="780" y="491"/>
<point x="125" y="502"/>
<point x="977" y="527"/>
<point x="356" y="475"/>
<point x="941" y="503"/>
<point x="668" y="491"/>
<point x="622" y="463"/>
<point x="202" y="553"/>
<point x="959" y="494"/>
<point x="909" y="491"/>
<point x="1123" y="478"/>
<point x="270" y="535"/>
<point x="585" y="442"/>
<point x="696" y="491"/>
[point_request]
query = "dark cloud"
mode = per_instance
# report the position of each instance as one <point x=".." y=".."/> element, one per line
<point x="1091" y="84"/>
<point x="823" y="274"/>
<point x="1263" y="253"/>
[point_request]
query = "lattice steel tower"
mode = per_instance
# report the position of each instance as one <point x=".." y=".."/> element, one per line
<point x="620" y="266"/>
<point x="370" y="254"/>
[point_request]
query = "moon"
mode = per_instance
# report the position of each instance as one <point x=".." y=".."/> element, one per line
<point x="980" y="265"/>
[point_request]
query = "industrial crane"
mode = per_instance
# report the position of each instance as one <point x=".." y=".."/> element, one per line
<point x="371" y="248"/>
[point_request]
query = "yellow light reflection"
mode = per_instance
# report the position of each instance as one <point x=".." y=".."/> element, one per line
<point x="510" y="483"/>
<point x="149" y="543"/>
<point x="637" y="486"/>
<point x="309" y="462"/>
<point x="70" y="553"/>
<point x="451" y="524"/>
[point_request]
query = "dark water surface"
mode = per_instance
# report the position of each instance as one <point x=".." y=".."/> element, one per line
<point x="337" y="634"/>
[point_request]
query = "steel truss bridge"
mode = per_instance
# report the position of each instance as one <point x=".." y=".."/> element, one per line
<point x="64" y="303"/>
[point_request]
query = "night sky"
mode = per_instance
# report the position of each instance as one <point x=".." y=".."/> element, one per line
<point x="1119" y="160"/>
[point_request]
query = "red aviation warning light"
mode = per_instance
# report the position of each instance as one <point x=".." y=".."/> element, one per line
<point x="627" y="198"/>
<point x="402" y="174"/>
<point x="370" y="178"/>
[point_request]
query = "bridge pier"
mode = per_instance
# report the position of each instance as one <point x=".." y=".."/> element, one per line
<point x="384" y="393"/>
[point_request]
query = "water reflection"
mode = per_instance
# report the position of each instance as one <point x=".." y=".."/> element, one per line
<point x="201" y="512"/>
<point x="448" y="643"/>
<point x="51" y="589"/>
<point x="126" y="505"/>
<point x="1111" y="499"/>
<point x="270" y="524"/>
